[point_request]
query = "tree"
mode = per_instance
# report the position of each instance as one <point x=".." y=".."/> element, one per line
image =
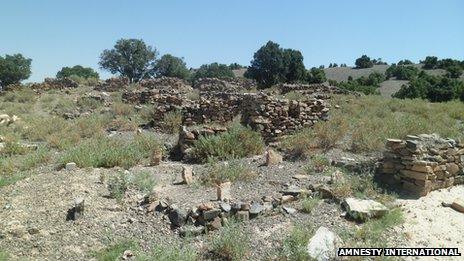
<point x="171" y="66"/>
<point x="267" y="66"/>
<point x="131" y="58"/>
<point x="14" y="69"/>
<point x="295" y="70"/>
<point x="316" y="75"/>
<point x="364" y="62"/>
<point x="77" y="70"/>
<point x="430" y="62"/>
<point x="402" y="72"/>
<point x="214" y="70"/>
<point x="236" y="66"/>
<point x="405" y="62"/>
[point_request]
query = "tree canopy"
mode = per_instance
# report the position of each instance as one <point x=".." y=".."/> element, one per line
<point x="214" y="70"/>
<point x="364" y="62"/>
<point x="77" y="70"/>
<point x="171" y="66"/>
<point x="14" y="69"/>
<point x="131" y="58"/>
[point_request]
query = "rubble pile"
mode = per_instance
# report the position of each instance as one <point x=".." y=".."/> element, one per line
<point x="113" y="84"/>
<point x="420" y="164"/>
<point x="54" y="83"/>
<point x="166" y="83"/>
<point x="224" y="85"/>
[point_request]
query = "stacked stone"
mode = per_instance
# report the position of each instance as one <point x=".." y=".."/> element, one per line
<point x="113" y="84"/>
<point x="166" y="83"/>
<point x="274" y="118"/>
<point x="423" y="163"/>
<point x="224" y="85"/>
<point x="310" y="89"/>
<point x="217" y="107"/>
<point x="53" y="83"/>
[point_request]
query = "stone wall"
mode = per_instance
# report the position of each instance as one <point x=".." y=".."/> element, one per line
<point x="224" y="85"/>
<point x="313" y="89"/>
<point x="113" y="84"/>
<point x="420" y="164"/>
<point x="53" y="83"/>
<point x="274" y="117"/>
<point x="166" y="83"/>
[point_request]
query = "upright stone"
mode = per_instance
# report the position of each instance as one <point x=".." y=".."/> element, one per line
<point x="187" y="175"/>
<point x="223" y="191"/>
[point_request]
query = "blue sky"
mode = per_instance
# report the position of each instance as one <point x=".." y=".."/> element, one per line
<point x="57" y="33"/>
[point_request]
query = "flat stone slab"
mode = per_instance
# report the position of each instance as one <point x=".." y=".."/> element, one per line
<point x="363" y="209"/>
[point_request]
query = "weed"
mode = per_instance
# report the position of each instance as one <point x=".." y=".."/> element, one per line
<point x="172" y="121"/>
<point x="294" y="246"/>
<point x="308" y="204"/>
<point x="117" y="185"/>
<point x="231" y="243"/>
<point x="114" y="252"/>
<point x="168" y="253"/>
<point x="226" y="171"/>
<point x="237" y="142"/>
<point x="143" y="181"/>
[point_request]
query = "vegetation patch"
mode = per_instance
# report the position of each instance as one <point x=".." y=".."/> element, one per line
<point x="226" y="171"/>
<point x="231" y="243"/>
<point x="294" y="246"/>
<point x="237" y="142"/>
<point x="115" y="252"/>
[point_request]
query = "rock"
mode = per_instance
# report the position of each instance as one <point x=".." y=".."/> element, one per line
<point x="206" y="206"/>
<point x="273" y="158"/>
<point x="215" y="224"/>
<point x="226" y="207"/>
<point x="289" y="210"/>
<point x="128" y="254"/>
<point x="458" y="205"/>
<point x="323" y="245"/>
<point x="362" y="210"/>
<point x="287" y="198"/>
<point x="178" y="217"/>
<point x="300" y="177"/>
<point x="293" y="191"/>
<point x="70" y="166"/>
<point x="243" y="215"/>
<point x="211" y="214"/>
<point x="223" y="191"/>
<point x="245" y="206"/>
<point x="156" y="158"/>
<point x="77" y="211"/>
<point x="187" y="175"/>
<point x="190" y="230"/>
<point x="256" y="209"/>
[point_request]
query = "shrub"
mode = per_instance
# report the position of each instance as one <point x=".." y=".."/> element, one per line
<point x="319" y="163"/>
<point x="367" y="85"/>
<point x="308" y="204"/>
<point x="405" y="62"/>
<point x="14" y="69"/>
<point x="226" y="171"/>
<point x="402" y="72"/>
<point x="237" y="142"/>
<point x="172" y="121"/>
<point x="23" y="95"/>
<point x="110" y="152"/>
<point x="454" y="71"/>
<point x="364" y="62"/>
<point x="143" y="181"/>
<point x="130" y="58"/>
<point x="77" y="70"/>
<point x="169" y="253"/>
<point x="430" y="62"/>
<point x="294" y="247"/>
<point x="171" y="66"/>
<point x="117" y="185"/>
<point x="316" y="75"/>
<point x="231" y="243"/>
<point x="114" y="252"/>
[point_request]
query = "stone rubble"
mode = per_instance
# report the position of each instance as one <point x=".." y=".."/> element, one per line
<point x="363" y="209"/>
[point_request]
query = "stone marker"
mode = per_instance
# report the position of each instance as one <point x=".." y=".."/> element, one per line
<point x="223" y="191"/>
<point x="273" y="158"/>
<point x="322" y="246"/>
<point x="70" y="166"/>
<point x="362" y="210"/>
<point x="187" y="175"/>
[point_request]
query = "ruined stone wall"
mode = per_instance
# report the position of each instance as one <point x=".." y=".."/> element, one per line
<point x="54" y="83"/>
<point x="274" y="117"/>
<point x="113" y="84"/>
<point x="224" y="85"/>
<point x="166" y="83"/>
<point x="313" y="89"/>
<point x="423" y="163"/>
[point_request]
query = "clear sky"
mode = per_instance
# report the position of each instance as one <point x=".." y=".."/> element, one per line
<point x="57" y="33"/>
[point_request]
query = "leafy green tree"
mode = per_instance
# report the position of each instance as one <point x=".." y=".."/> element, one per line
<point x="364" y="62"/>
<point x="14" y="68"/>
<point x="295" y="70"/>
<point x="405" y="62"/>
<point x="268" y="65"/>
<point x="171" y="66"/>
<point x="236" y="66"/>
<point x="316" y="75"/>
<point x="430" y="62"/>
<point x="402" y="72"/>
<point x="214" y="70"/>
<point x="131" y="58"/>
<point x="77" y="70"/>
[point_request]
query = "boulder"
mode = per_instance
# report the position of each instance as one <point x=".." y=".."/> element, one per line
<point x="363" y="209"/>
<point x="178" y="217"/>
<point x="273" y="158"/>
<point x="323" y="245"/>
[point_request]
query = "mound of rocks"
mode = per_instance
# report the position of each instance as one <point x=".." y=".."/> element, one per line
<point x="113" y="84"/>
<point x="166" y="83"/>
<point x="420" y="164"/>
<point x="54" y="83"/>
<point x="224" y="85"/>
<point x="309" y="89"/>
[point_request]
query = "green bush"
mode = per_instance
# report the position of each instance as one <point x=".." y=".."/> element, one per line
<point x="143" y="181"/>
<point x="14" y="69"/>
<point x="402" y="72"/>
<point x="367" y="85"/>
<point x="294" y="247"/>
<point x="110" y="152"/>
<point x="364" y="62"/>
<point x="117" y="185"/>
<point x="308" y="204"/>
<point x="169" y="253"/>
<point x="114" y="252"/>
<point x="214" y="70"/>
<point x="171" y="66"/>
<point x="231" y="243"/>
<point x="77" y="70"/>
<point x="226" y="171"/>
<point x="237" y="142"/>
